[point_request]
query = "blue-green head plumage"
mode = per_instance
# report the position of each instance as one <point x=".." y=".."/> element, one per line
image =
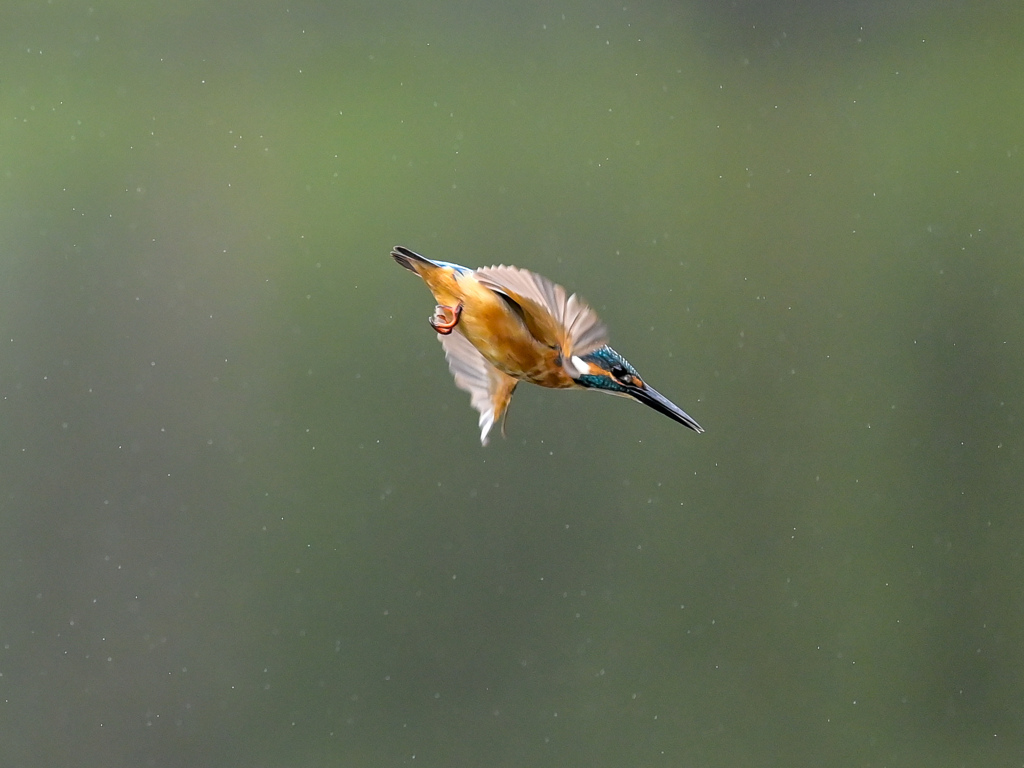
<point x="613" y="372"/>
<point x="606" y="370"/>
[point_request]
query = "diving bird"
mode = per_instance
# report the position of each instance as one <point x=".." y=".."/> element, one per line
<point x="514" y="325"/>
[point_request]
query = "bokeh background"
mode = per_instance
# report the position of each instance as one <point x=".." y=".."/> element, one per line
<point x="245" y="519"/>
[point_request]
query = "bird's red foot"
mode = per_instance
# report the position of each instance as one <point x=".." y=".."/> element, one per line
<point x="445" y="318"/>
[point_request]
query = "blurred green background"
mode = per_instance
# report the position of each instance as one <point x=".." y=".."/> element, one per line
<point x="245" y="519"/>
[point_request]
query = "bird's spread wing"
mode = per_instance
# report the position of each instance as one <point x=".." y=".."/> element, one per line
<point x="551" y="315"/>
<point x="489" y="389"/>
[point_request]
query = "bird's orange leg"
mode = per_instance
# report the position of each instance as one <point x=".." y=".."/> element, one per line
<point x="445" y="318"/>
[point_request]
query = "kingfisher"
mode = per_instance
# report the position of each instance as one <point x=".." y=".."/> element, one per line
<point x="514" y="325"/>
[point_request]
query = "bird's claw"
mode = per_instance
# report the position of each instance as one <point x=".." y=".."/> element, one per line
<point x="445" y="318"/>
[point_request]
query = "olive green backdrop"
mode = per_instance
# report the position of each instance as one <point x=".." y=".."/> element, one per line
<point x="245" y="519"/>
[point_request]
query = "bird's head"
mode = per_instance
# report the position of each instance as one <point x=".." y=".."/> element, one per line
<point x="605" y="370"/>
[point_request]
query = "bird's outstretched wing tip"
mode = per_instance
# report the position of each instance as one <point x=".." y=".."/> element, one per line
<point x="489" y="389"/>
<point x="486" y="422"/>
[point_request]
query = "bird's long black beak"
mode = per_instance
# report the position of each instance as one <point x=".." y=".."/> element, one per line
<point x="652" y="397"/>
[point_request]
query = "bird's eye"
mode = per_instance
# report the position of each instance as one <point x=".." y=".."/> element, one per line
<point x="621" y="374"/>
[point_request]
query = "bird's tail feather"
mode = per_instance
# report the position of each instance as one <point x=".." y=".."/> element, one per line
<point x="409" y="259"/>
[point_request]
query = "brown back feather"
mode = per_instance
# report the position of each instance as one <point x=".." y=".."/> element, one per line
<point x="551" y="315"/>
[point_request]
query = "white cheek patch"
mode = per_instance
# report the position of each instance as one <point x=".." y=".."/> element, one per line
<point x="581" y="366"/>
